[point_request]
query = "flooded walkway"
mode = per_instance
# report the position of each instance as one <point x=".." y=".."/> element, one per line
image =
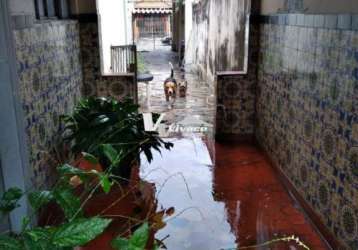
<point x="236" y="202"/>
<point x="199" y="103"/>
<point x="225" y="196"/>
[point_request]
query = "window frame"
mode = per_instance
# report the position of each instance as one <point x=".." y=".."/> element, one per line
<point x="52" y="9"/>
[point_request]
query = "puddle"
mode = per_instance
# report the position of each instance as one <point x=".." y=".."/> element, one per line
<point x="238" y="202"/>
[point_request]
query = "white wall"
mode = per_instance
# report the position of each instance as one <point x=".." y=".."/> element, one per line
<point x="313" y="6"/>
<point x="21" y="7"/>
<point x="331" y="6"/>
<point x="188" y="19"/>
<point x="115" y="19"/>
<point x="217" y="42"/>
<point x="271" y="6"/>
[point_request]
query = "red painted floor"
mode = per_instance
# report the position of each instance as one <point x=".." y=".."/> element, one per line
<point x="257" y="205"/>
<point x="236" y="203"/>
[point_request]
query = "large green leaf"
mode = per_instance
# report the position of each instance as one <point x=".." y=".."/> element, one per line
<point x="137" y="241"/>
<point x="105" y="183"/>
<point x="116" y="124"/>
<point x="38" y="239"/>
<point x="90" y="158"/>
<point x="70" y="204"/>
<point x="40" y="198"/>
<point x="10" y="243"/>
<point x="120" y="243"/>
<point x="10" y="199"/>
<point x="68" y="170"/>
<point x="79" y="232"/>
<point x="140" y="237"/>
<point x="110" y="152"/>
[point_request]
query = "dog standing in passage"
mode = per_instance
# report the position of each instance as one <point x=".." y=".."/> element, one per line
<point x="170" y="86"/>
<point x="183" y="86"/>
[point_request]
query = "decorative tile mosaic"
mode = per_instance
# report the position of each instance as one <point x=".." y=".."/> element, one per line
<point x="94" y="84"/>
<point x="48" y="64"/>
<point x="307" y="112"/>
<point x="236" y="96"/>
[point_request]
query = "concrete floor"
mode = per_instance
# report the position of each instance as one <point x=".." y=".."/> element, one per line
<point x="197" y="109"/>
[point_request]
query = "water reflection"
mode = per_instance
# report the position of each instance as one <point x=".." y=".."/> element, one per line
<point x="184" y="181"/>
<point x="237" y="202"/>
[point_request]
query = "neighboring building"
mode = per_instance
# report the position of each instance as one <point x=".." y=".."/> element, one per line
<point x="115" y="28"/>
<point x="178" y="26"/>
<point x="152" y="18"/>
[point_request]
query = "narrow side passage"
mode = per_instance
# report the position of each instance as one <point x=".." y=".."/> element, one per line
<point x="199" y="103"/>
<point x="236" y="203"/>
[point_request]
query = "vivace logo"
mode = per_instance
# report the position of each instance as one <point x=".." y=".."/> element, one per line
<point x="149" y="125"/>
<point x="189" y="124"/>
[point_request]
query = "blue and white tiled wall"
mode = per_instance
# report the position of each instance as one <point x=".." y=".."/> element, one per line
<point x="307" y="112"/>
<point x="236" y="96"/>
<point x="94" y="84"/>
<point x="58" y="63"/>
<point x="49" y="69"/>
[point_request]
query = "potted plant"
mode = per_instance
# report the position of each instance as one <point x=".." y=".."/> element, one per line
<point x="73" y="230"/>
<point x="104" y="121"/>
<point x="68" y="221"/>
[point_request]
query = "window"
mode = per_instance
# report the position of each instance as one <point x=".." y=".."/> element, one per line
<point x="49" y="9"/>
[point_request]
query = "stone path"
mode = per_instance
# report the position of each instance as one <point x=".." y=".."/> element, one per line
<point x="199" y="104"/>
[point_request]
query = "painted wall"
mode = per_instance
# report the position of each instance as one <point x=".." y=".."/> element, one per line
<point x="115" y="18"/>
<point x="218" y="36"/>
<point x="94" y="83"/>
<point x="83" y="7"/>
<point x="236" y="97"/>
<point x="331" y="6"/>
<point x="21" y="7"/>
<point x="49" y="68"/>
<point x="188" y="19"/>
<point x="309" y="6"/>
<point x="307" y="117"/>
<point x="272" y="6"/>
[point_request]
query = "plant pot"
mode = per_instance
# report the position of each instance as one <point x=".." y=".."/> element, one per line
<point x="121" y="204"/>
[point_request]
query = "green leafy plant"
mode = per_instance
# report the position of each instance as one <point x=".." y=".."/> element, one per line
<point x="138" y="240"/>
<point x="104" y="121"/>
<point x="75" y="230"/>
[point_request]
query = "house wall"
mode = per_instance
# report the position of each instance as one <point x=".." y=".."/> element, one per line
<point x="309" y="6"/>
<point x="94" y="83"/>
<point x="307" y="112"/>
<point x="115" y="28"/>
<point x="49" y="69"/>
<point x="82" y="7"/>
<point x="58" y="62"/>
<point x="236" y="96"/>
<point x="217" y="35"/>
<point x="21" y="7"/>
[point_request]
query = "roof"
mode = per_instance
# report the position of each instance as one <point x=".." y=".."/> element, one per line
<point x="152" y="10"/>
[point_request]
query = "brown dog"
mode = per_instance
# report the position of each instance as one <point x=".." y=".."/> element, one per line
<point x="183" y="86"/>
<point x="170" y="86"/>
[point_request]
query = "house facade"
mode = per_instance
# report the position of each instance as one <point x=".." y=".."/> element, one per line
<point x="152" y="18"/>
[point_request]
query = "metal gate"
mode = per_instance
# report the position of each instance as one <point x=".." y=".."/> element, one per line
<point x="123" y="59"/>
<point x="152" y="25"/>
